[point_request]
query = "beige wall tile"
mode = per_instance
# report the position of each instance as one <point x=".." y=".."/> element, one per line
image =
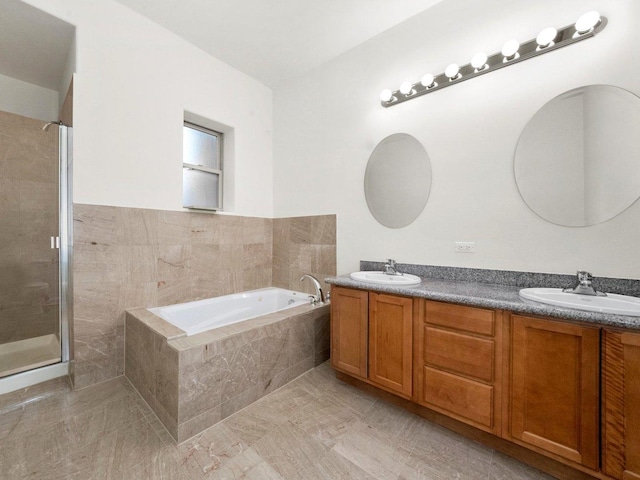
<point x="257" y="230"/>
<point x="200" y="388"/>
<point x="96" y="308"/>
<point x="238" y="402"/>
<point x="98" y="263"/>
<point x="95" y="359"/>
<point x="162" y="258"/>
<point x="35" y="195"/>
<point x="138" y="295"/>
<point x="256" y="255"/>
<point x="140" y="265"/>
<point x="171" y="292"/>
<point x="174" y="228"/>
<point x="302" y="338"/>
<point x="274" y="355"/>
<point x="166" y="378"/>
<point x="303" y="245"/>
<point x="195" y="425"/>
<point x="9" y="195"/>
<point x="95" y="225"/>
<point x="241" y="370"/>
<point x="137" y="226"/>
<point x="254" y="278"/>
<point x="174" y="262"/>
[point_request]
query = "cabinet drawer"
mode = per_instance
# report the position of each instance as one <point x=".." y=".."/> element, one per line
<point x="458" y="317"/>
<point x="459" y="353"/>
<point x="460" y="396"/>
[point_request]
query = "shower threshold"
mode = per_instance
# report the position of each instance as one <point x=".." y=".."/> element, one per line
<point x="23" y="355"/>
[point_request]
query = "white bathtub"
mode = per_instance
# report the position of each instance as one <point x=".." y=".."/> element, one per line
<point x="202" y="315"/>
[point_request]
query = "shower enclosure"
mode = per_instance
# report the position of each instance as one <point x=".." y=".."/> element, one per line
<point x="35" y="164"/>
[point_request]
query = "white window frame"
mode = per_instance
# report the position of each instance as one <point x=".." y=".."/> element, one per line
<point x="213" y="171"/>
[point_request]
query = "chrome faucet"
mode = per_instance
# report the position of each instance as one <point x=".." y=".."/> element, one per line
<point x="319" y="296"/>
<point x="390" y="267"/>
<point x="584" y="285"/>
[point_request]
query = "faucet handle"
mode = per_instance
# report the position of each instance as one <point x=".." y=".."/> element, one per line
<point x="391" y="262"/>
<point x="584" y="276"/>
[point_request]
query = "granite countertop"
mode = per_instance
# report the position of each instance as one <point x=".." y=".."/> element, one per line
<point x="487" y="295"/>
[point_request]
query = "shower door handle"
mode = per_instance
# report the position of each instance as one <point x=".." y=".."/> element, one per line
<point x="55" y="242"/>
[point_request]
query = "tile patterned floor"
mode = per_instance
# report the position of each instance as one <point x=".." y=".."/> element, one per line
<point x="316" y="427"/>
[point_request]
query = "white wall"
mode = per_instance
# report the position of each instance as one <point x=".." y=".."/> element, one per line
<point x="67" y="74"/>
<point x="134" y="81"/>
<point x="28" y="100"/>
<point x="329" y="122"/>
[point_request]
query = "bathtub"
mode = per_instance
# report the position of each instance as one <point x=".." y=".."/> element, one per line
<point x="197" y="363"/>
<point x="202" y="315"/>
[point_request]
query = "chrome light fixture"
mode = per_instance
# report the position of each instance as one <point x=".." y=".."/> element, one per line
<point x="406" y="88"/>
<point x="428" y="81"/>
<point x="452" y="72"/>
<point x="587" y="22"/>
<point x="546" y="38"/>
<point x="549" y="39"/>
<point x="510" y="50"/>
<point x="479" y="61"/>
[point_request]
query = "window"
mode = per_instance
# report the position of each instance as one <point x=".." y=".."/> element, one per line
<point x="201" y="168"/>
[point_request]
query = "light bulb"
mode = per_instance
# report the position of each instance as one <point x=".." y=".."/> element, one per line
<point x="587" y="22"/>
<point x="452" y="71"/>
<point x="386" y="95"/>
<point x="406" y="88"/>
<point x="546" y="37"/>
<point x="510" y="49"/>
<point x="428" y="81"/>
<point x="479" y="61"/>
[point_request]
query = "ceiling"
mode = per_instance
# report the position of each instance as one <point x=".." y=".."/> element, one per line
<point x="33" y="45"/>
<point x="273" y="40"/>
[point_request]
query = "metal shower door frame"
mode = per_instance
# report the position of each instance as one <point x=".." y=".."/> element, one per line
<point x="66" y="240"/>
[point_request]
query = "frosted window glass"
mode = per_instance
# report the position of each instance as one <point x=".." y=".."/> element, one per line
<point x="200" y="189"/>
<point x="200" y="148"/>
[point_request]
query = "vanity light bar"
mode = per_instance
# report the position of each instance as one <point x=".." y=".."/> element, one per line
<point x="549" y="39"/>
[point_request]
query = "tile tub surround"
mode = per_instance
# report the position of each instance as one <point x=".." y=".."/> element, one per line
<point x="303" y="245"/>
<point x="474" y="290"/>
<point x="127" y="258"/>
<point x="28" y="218"/>
<point x="192" y="382"/>
<point x="315" y="427"/>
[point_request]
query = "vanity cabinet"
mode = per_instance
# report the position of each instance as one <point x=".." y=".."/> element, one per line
<point x="349" y="330"/>
<point x="390" y="342"/>
<point x="460" y="363"/>
<point x="371" y="338"/>
<point x="554" y="388"/>
<point x="621" y="405"/>
<point x="568" y="391"/>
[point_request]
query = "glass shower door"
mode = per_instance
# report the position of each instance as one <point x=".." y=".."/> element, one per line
<point x="29" y="245"/>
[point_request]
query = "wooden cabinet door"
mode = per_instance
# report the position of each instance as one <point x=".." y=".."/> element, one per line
<point x="621" y="405"/>
<point x="554" y="385"/>
<point x="349" y="330"/>
<point x="390" y="342"/>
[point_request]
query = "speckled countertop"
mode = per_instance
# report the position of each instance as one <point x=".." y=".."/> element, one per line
<point x="487" y="295"/>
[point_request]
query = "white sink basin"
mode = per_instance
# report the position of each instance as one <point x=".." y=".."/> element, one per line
<point x="382" y="278"/>
<point x="612" y="303"/>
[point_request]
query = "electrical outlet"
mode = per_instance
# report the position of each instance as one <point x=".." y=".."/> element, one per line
<point x="464" y="247"/>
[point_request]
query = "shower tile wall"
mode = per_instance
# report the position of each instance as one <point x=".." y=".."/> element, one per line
<point x="126" y="258"/>
<point x="28" y="218"/>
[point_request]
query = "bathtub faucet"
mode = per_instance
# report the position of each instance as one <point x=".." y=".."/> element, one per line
<point x="319" y="296"/>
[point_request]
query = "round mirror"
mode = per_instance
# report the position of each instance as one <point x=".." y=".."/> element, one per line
<point x="576" y="162"/>
<point x="398" y="180"/>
